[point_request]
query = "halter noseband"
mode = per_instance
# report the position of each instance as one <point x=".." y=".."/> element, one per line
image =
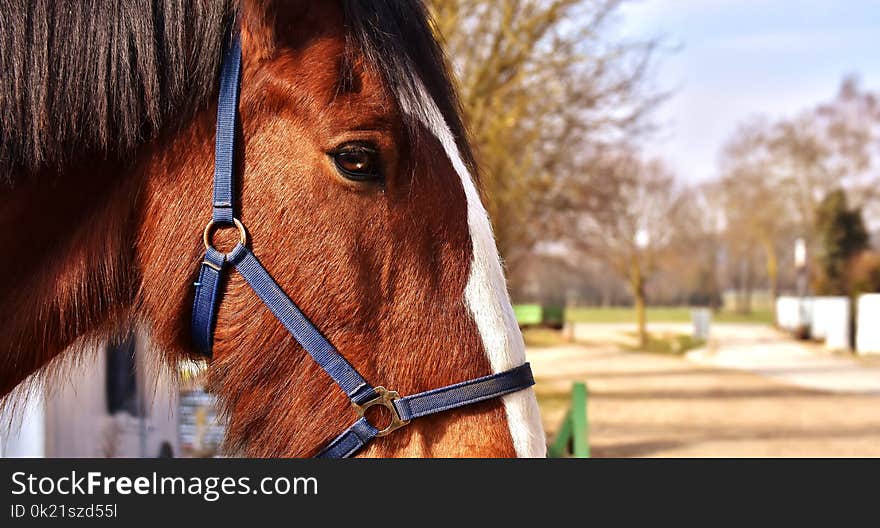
<point x="359" y="391"/>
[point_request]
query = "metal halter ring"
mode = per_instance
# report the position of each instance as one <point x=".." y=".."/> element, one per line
<point x="206" y="236"/>
<point x="386" y="399"/>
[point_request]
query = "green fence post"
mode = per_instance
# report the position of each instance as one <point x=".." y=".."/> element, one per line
<point x="574" y="434"/>
<point x="559" y="447"/>
<point x="579" y="423"/>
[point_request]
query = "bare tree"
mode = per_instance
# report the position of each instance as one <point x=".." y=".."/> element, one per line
<point x="541" y="84"/>
<point x="835" y="144"/>
<point x="633" y="226"/>
<point x="774" y="176"/>
<point x="756" y="201"/>
<point x="691" y="271"/>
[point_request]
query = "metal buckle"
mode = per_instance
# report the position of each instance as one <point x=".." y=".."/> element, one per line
<point x="209" y="229"/>
<point x="386" y="399"/>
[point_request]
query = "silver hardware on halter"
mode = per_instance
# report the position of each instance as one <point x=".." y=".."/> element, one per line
<point x="209" y="229"/>
<point x="386" y="399"/>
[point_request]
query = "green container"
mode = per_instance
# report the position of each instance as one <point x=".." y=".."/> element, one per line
<point x="528" y="314"/>
<point x="537" y="315"/>
<point x="553" y="316"/>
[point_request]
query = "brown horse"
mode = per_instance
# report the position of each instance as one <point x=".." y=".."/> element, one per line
<point x="106" y="145"/>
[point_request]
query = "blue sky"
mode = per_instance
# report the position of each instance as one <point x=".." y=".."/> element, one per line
<point x="740" y="58"/>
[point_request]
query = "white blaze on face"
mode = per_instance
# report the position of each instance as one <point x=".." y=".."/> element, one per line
<point x="486" y="295"/>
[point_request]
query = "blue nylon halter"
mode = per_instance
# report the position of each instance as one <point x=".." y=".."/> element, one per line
<point x="360" y="392"/>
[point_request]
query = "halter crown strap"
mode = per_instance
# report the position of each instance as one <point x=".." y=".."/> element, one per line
<point x="208" y="296"/>
<point x="224" y="147"/>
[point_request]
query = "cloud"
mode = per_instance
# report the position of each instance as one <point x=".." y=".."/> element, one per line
<point x="745" y="57"/>
<point x="796" y="41"/>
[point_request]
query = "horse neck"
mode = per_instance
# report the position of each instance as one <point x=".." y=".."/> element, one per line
<point x="70" y="279"/>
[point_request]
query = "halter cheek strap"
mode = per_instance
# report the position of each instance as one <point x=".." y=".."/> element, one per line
<point x="359" y="391"/>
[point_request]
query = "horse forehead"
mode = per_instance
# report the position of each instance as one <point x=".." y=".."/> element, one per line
<point x="320" y="81"/>
<point x="310" y="49"/>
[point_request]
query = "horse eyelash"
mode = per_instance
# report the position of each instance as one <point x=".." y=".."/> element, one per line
<point x="356" y="146"/>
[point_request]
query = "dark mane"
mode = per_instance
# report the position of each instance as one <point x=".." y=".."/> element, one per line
<point x="396" y="37"/>
<point x="96" y="79"/>
<point x="84" y="79"/>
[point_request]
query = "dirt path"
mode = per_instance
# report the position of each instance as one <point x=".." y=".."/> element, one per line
<point x="772" y="354"/>
<point x="662" y="406"/>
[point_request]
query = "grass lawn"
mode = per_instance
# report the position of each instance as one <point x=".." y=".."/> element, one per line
<point x="660" y="315"/>
<point x="543" y="337"/>
<point x="657" y="344"/>
<point x="666" y="344"/>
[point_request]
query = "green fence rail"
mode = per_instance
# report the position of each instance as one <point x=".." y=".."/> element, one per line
<point x="573" y="439"/>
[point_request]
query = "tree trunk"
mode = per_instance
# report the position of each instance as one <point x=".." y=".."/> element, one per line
<point x="637" y="283"/>
<point x="744" y="296"/>
<point x="772" y="269"/>
<point x="747" y="304"/>
<point x="640" y="317"/>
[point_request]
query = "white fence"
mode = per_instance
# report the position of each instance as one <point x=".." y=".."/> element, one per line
<point x="830" y="322"/>
<point x="23" y="430"/>
<point x="73" y="421"/>
<point x="826" y="318"/>
<point x="868" y="324"/>
<point x="793" y="313"/>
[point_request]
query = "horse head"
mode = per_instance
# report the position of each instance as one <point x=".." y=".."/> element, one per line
<point x="359" y="192"/>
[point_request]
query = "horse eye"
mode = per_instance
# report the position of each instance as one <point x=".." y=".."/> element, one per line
<point x="357" y="162"/>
